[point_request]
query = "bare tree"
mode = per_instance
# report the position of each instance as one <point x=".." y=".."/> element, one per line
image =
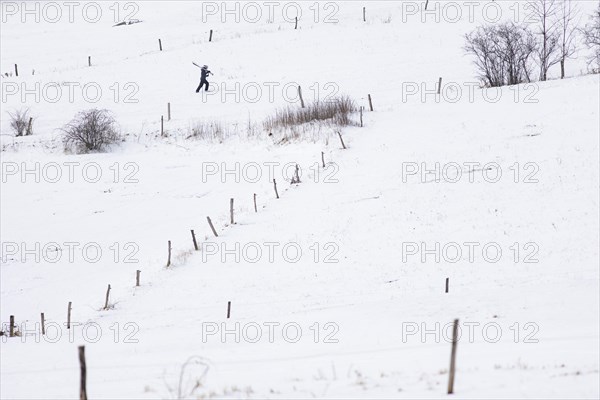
<point x="502" y="53"/>
<point x="544" y="12"/>
<point x="591" y="39"/>
<point x="518" y="44"/>
<point x="567" y="25"/>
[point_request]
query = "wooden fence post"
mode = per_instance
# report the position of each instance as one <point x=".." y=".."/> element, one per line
<point x="370" y="103"/>
<point x="194" y="240"/>
<point x="228" y="309"/>
<point x="82" y="388"/>
<point x="89" y="61"/>
<point x="43" y="324"/>
<point x="426" y="4"/>
<point x="169" y="260"/>
<point x="361" y="116"/>
<point x="137" y="277"/>
<point x="364" y="14"/>
<point x="107" y="297"/>
<point x="160" y="44"/>
<point x="69" y="316"/>
<point x="214" y="231"/>
<point x="210" y="36"/>
<point x="11" y="328"/>
<point x="275" y="186"/>
<point x="296" y="26"/>
<point x="168" y="111"/>
<point x="341" y="140"/>
<point x="439" y="85"/>
<point x="162" y="126"/>
<point x="300" y="95"/>
<point x="323" y="159"/>
<point x="231" y="210"/>
<point x="16" y="70"/>
<point x="255" y="209"/>
<point x="453" y="358"/>
<point x="447" y="284"/>
<point x="29" y="126"/>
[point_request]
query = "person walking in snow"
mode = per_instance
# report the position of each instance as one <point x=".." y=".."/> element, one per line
<point x="203" y="80"/>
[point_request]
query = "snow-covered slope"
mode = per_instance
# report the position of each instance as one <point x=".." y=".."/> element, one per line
<point x="337" y="288"/>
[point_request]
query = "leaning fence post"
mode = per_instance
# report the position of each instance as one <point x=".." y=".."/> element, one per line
<point x="453" y="358"/>
<point x="194" y="240"/>
<point x="300" y="95"/>
<point x="439" y="85"/>
<point x="16" y="70"/>
<point x="341" y="140"/>
<point x="370" y="103"/>
<point x="275" y="186"/>
<point x="210" y="36"/>
<point x="107" y="297"/>
<point x="214" y="231"/>
<point x="160" y="44"/>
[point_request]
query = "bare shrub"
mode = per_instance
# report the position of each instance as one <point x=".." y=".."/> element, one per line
<point x="20" y="122"/>
<point x="502" y="53"/>
<point x="192" y="376"/>
<point x="336" y="112"/>
<point x="91" y="130"/>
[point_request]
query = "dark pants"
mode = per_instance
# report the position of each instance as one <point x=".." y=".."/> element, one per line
<point x="202" y="83"/>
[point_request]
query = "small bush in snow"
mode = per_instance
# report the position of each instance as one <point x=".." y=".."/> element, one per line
<point x="19" y="122"/>
<point x="91" y="130"/>
<point x="208" y="130"/>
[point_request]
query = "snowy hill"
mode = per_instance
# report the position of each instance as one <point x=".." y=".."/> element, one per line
<point x="338" y="287"/>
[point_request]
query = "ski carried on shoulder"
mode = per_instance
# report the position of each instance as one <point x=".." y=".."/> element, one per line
<point x="200" y="67"/>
